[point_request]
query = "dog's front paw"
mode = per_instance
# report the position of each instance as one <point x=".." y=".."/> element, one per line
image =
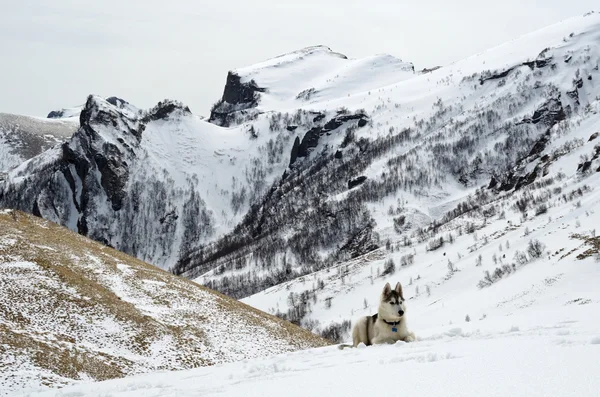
<point x="410" y="338"/>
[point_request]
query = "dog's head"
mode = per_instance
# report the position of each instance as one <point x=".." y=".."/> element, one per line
<point x="391" y="305"/>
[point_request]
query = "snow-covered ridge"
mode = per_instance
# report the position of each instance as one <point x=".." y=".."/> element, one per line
<point x="386" y="163"/>
<point x="458" y="146"/>
<point x="475" y="185"/>
<point x="308" y="77"/>
<point x="170" y="177"/>
<point x="23" y="137"/>
<point x="74" y="310"/>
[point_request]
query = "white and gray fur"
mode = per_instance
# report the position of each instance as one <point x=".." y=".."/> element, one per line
<point x="388" y="325"/>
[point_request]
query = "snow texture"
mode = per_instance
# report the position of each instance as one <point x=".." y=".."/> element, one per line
<point x="484" y="210"/>
<point x="72" y="310"/>
<point x="550" y="354"/>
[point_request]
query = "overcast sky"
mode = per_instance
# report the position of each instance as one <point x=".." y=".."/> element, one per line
<point x="53" y="53"/>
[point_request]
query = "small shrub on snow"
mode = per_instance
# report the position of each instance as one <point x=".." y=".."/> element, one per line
<point x="535" y="249"/>
<point x="499" y="272"/>
<point x="541" y="209"/>
<point x="389" y="267"/>
<point x="479" y="261"/>
<point x="336" y="332"/>
<point x="435" y="243"/>
<point x="407" y="260"/>
<point x="521" y="258"/>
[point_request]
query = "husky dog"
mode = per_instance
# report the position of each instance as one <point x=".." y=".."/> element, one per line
<point x="388" y="325"/>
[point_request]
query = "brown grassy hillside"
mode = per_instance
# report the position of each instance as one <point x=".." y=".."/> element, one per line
<point x="73" y="309"/>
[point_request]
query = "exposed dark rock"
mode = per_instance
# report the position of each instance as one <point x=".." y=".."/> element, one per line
<point x="339" y="120"/>
<point x="237" y="92"/>
<point x="164" y="109"/>
<point x="548" y="114"/>
<point x="362" y="122"/>
<point x="338" y="154"/>
<point x="574" y="93"/>
<point x="585" y="166"/>
<point x="55" y="114"/>
<point x="527" y="179"/>
<point x="508" y="183"/>
<point x="237" y="96"/>
<point x="545" y="158"/>
<point x="538" y="63"/>
<point x="540" y="145"/>
<point x="493" y="183"/>
<point x="360" y="244"/>
<point x="311" y="138"/>
<point x="291" y="128"/>
<point x="318" y="117"/>
<point x="88" y="169"/>
<point x="593" y="136"/>
<point x="546" y="170"/>
<point x="496" y="76"/>
<point x="589" y="77"/>
<point x="114" y="174"/>
<point x="116" y="101"/>
<point x="295" y="149"/>
<point x="309" y="141"/>
<point x="356" y="181"/>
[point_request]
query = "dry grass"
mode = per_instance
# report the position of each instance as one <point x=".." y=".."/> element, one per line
<point x="51" y="312"/>
<point x="593" y="242"/>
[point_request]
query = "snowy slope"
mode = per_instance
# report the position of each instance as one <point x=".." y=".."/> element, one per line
<point x="23" y="137"/>
<point x="438" y="296"/>
<point x="486" y="129"/>
<point x="170" y="177"/>
<point x="317" y="75"/>
<point x="475" y="185"/>
<point x="73" y="310"/>
<point x="547" y="350"/>
<point x="375" y="156"/>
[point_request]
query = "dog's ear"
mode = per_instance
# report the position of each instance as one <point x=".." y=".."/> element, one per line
<point x="387" y="289"/>
<point x="399" y="290"/>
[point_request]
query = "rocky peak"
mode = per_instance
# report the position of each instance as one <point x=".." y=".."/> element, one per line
<point x="237" y="96"/>
<point x="106" y="141"/>
<point x="165" y="109"/>
<point x="98" y="113"/>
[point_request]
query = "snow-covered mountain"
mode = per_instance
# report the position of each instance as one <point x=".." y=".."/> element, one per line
<point x="161" y="183"/>
<point x="479" y="134"/>
<point x="312" y="162"/>
<point x="73" y="310"/>
<point x="297" y="80"/>
<point x="24" y="137"/>
<point x="148" y="183"/>
<point x="317" y="179"/>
